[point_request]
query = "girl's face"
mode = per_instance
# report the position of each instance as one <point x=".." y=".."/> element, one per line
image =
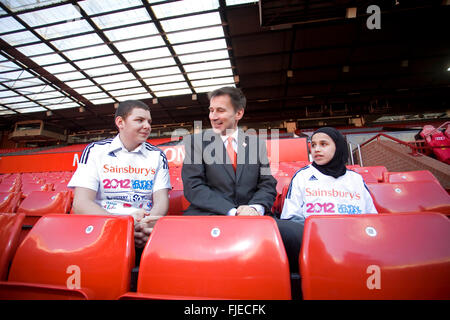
<point x="322" y="148"/>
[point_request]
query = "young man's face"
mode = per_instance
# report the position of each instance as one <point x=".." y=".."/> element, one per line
<point x="135" y="128"/>
<point x="222" y="114"/>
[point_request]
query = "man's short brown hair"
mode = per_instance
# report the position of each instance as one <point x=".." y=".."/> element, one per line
<point x="237" y="97"/>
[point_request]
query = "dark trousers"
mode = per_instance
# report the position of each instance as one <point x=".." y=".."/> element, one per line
<point x="292" y="234"/>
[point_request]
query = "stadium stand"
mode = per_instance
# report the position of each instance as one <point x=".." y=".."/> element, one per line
<point x="384" y="256"/>
<point x="225" y="258"/>
<point x="55" y="260"/>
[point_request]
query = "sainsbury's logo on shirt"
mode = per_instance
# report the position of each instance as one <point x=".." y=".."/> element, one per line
<point x="128" y="169"/>
<point x="332" y="193"/>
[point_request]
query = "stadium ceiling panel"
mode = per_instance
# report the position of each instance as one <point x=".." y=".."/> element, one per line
<point x="70" y="62"/>
<point x="108" y="51"/>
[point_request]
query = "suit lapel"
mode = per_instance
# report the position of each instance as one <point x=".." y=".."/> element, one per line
<point x="227" y="162"/>
<point x="222" y="159"/>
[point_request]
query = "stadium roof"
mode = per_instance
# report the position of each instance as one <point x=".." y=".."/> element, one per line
<point x="70" y="62"/>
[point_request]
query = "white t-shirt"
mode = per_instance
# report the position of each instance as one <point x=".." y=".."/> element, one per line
<point x="124" y="180"/>
<point x="311" y="192"/>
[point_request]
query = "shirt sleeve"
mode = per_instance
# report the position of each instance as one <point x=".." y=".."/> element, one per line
<point x="86" y="175"/>
<point x="162" y="176"/>
<point x="259" y="208"/>
<point x="232" y="212"/>
<point x="293" y="207"/>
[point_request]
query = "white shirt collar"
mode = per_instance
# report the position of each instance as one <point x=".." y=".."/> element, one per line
<point x="117" y="144"/>
<point x="234" y="135"/>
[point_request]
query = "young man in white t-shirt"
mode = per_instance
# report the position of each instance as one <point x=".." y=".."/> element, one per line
<point x="124" y="175"/>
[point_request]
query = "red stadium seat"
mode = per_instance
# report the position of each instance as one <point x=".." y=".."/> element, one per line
<point x="10" y="226"/>
<point x="39" y="203"/>
<point x="283" y="196"/>
<point x="420" y="175"/>
<point x="214" y="257"/>
<point x="27" y="188"/>
<point x="368" y="177"/>
<point x="410" y="197"/>
<point x="376" y="171"/>
<point x="177" y="203"/>
<point x="10" y="185"/>
<point x="279" y="201"/>
<point x="447" y="130"/>
<point x="73" y="257"/>
<point x="62" y="186"/>
<point x="282" y="181"/>
<point x="384" y="256"/>
<point x="437" y="139"/>
<point x="9" y="201"/>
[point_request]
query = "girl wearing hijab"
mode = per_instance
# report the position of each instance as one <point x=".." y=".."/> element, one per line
<point x="326" y="186"/>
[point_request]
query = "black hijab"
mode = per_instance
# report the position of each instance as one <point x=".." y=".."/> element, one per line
<point x="336" y="166"/>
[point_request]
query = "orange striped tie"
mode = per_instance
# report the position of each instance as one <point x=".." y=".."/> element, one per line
<point x="231" y="153"/>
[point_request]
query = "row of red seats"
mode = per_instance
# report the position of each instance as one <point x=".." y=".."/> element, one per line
<point x="29" y="182"/>
<point x="391" y="191"/>
<point x="55" y="260"/>
<point x="403" y="256"/>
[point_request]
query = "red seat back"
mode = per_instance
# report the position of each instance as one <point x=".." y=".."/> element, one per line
<point x="410" y="197"/>
<point x="419" y="175"/>
<point x="375" y="171"/>
<point x="282" y="197"/>
<point x="426" y="132"/>
<point x="384" y="256"/>
<point x="93" y="254"/>
<point x="10" y="226"/>
<point x="39" y="203"/>
<point x="447" y="131"/>
<point x="9" y="201"/>
<point x="215" y="257"/>
<point x="439" y="139"/>
<point x="10" y="185"/>
<point x="27" y="188"/>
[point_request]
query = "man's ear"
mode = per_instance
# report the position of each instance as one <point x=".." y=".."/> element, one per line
<point x="119" y="122"/>
<point x="239" y="114"/>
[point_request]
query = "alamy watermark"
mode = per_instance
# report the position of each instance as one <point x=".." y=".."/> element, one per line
<point x="374" y="20"/>
<point x="374" y="280"/>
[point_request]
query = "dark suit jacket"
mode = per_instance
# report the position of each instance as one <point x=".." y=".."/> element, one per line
<point x="210" y="183"/>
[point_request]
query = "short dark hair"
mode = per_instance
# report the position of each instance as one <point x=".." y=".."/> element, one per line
<point x="126" y="107"/>
<point x="237" y="97"/>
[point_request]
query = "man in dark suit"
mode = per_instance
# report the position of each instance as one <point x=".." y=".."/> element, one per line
<point x="226" y="171"/>
<point x="214" y="187"/>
